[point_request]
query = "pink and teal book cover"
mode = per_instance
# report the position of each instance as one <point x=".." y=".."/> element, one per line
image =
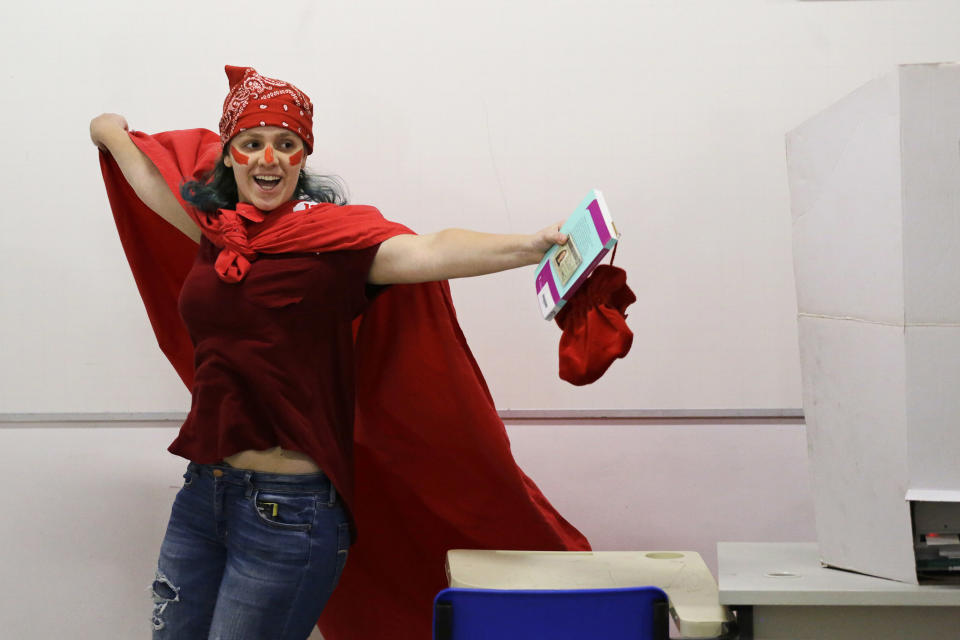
<point x="590" y="236"/>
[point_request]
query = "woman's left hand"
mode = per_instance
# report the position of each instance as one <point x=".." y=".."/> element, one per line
<point x="547" y="237"/>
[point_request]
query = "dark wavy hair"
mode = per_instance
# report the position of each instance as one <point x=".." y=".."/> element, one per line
<point x="218" y="189"/>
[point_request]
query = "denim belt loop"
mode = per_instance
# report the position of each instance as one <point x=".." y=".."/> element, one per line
<point x="248" y="485"/>
<point x="333" y="496"/>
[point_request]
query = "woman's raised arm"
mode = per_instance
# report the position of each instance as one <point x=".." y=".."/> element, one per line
<point x="109" y="132"/>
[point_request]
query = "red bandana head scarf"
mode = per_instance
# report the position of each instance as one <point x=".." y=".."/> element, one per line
<point x="257" y="101"/>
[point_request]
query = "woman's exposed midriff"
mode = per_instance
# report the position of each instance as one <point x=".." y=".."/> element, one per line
<point x="275" y="460"/>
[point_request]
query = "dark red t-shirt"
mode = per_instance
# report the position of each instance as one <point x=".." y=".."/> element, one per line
<point x="273" y="357"/>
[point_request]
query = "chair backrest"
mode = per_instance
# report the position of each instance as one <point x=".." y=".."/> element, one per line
<point x="633" y="613"/>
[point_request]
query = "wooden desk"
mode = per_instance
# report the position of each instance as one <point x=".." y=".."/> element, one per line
<point x="683" y="575"/>
<point x="788" y="594"/>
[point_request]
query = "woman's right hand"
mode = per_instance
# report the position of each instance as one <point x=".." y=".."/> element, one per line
<point x="109" y="132"/>
<point x="106" y="125"/>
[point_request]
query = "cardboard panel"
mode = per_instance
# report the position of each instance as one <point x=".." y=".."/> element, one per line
<point x="875" y="191"/>
<point x="844" y="168"/>
<point x="930" y="107"/>
<point x="854" y="397"/>
<point x="933" y="407"/>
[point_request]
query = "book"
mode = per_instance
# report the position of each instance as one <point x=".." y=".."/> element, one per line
<point x="565" y="267"/>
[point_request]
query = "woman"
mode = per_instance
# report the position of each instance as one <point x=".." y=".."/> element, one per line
<point x="290" y="395"/>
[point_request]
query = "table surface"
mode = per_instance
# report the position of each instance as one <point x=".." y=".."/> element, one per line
<point x="683" y="575"/>
<point x="790" y="573"/>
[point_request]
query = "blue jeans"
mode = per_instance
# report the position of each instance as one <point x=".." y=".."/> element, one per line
<point x="248" y="555"/>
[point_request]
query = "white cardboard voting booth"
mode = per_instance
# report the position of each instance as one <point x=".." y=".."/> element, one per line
<point x="875" y="195"/>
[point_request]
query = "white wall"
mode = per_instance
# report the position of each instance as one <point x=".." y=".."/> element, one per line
<point x="84" y="509"/>
<point x="497" y="115"/>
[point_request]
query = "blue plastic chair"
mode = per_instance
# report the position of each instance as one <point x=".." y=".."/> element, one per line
<point x="635" y="613"/>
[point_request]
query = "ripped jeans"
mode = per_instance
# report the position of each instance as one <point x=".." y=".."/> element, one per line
<point x="248" y="555"/>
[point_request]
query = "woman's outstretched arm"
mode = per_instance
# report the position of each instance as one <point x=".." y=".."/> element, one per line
<point x="457" y="253"/>
<point x="109" y="132"/>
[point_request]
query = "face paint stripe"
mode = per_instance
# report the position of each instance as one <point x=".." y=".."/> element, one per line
<point x="238" y="157"/>
<point x="295" y="158"/>
<point x="268" y="154"/>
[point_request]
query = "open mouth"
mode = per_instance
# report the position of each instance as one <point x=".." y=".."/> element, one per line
<point x="267" y="183"/>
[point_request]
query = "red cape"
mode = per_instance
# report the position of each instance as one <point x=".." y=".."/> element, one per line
<point x="433" y="464"/>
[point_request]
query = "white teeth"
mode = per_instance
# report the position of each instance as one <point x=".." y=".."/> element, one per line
<point x="268" y="178"/>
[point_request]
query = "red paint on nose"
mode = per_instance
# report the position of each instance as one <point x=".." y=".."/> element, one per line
<point x="268" y="155"/>
<point x="238" y="157"/>
<point x="295" y="158"/>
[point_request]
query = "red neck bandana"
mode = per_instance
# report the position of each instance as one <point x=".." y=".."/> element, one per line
<point x="257" y="101"/>
<point x="294" y="227"/>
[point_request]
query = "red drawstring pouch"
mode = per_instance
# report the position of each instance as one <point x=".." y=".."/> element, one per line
<point x="594" y="325"/>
